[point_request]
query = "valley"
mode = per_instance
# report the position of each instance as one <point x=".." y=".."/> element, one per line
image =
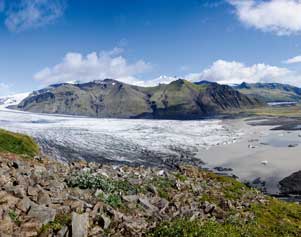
<point x="240" y="144"/>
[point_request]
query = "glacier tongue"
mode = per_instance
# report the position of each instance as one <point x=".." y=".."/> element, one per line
<point x="148" y="142"/>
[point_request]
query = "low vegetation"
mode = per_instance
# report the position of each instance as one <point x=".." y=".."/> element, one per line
<point x="88" y="180"/>
<point x="14" y="217"/>
<point x="269" y="217"/>
<point x="250" y="214"/>
<point x="18" y="144"/>
<point x="273" y="219"/>
<point x="54" y="226"/>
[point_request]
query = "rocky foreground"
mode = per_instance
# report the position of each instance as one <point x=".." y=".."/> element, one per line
<point x="40" y="197"/>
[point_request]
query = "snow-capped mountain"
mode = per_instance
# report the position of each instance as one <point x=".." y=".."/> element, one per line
<point x="6" y="101"/>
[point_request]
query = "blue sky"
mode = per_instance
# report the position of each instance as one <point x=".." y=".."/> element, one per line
<point x="145" y="42"/>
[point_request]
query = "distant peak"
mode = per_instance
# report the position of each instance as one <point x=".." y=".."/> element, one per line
<point x="104" y="81"/>
<point x="244" y="85"/>
<point x="204" y="82"/>
<point x="179" y="80"/>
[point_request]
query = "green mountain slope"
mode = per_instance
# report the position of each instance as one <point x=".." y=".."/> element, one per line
<point x="271" y="92"/>
<point x="109" y="98"/>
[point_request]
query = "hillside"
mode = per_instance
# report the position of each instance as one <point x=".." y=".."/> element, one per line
<point x="41" y="197"/>
<point x="271" y="92"/>
<point x="18" y="143"/>
<point x="109" y="98"/>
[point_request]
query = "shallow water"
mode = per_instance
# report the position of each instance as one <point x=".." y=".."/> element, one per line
<point x="278" y="141"/>
<point x="261" y="153"/>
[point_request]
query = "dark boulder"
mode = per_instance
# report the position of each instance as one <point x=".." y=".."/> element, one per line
<point x="291" y="184"/>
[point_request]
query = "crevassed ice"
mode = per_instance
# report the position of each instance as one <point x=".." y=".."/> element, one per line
<point x="115" y="139"/>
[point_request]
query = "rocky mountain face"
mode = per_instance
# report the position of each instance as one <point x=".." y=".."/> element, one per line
<point x="270" y="92"/>
<point x="112" y="99"/>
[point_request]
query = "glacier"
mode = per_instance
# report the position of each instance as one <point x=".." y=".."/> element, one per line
<point x="135" y="141"/>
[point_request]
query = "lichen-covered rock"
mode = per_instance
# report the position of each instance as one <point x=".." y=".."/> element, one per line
<point x="42" y="213"/>
<point x="24" y="204"/>
<point x="80" y="224"/>
<point x="6" y="227"/>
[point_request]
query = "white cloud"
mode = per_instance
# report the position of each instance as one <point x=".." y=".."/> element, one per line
<point x="110" y="64"/>
<point x="225" y="72"/>
<point x="93" y="66"/>
<point x="159" y="80"/>
<point x="282" y="17"/>
<point x="296" y="59"/>
<point x="29" y="14"/>
<point x="5" y="89"/>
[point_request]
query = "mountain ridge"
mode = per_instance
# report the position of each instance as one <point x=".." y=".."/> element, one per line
<point x="109" y="98"/>
<point x="270" y="92"/>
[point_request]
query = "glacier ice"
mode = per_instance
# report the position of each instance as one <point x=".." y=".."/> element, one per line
<point x="149" y="142"/>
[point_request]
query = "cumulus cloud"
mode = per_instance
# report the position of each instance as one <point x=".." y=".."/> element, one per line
<point x="225" y="72"/>
<point x="93" y="66"/>
<point x="22" y="15"/>
<point x="110" y="64"/>
<point x="282" y="17"/>
<point x="293" y="60"/>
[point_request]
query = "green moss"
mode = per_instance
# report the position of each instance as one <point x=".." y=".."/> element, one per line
<point x="232" y="188"/>
<point x="14" y="217"/>
<point x="206" y="197"/>
<point x="186" y="228"/>
<point x="278" y="218"/>
<point x="114" y="200"/>
<point x="18" y="144"/>
<point x="163" y="185"/>
<point x="270" y="218"/>
<point x="125" y="187"/>
<point x="181" y="177"/>
<point x="274" y="219"/>
<point x="59" y="222"/>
